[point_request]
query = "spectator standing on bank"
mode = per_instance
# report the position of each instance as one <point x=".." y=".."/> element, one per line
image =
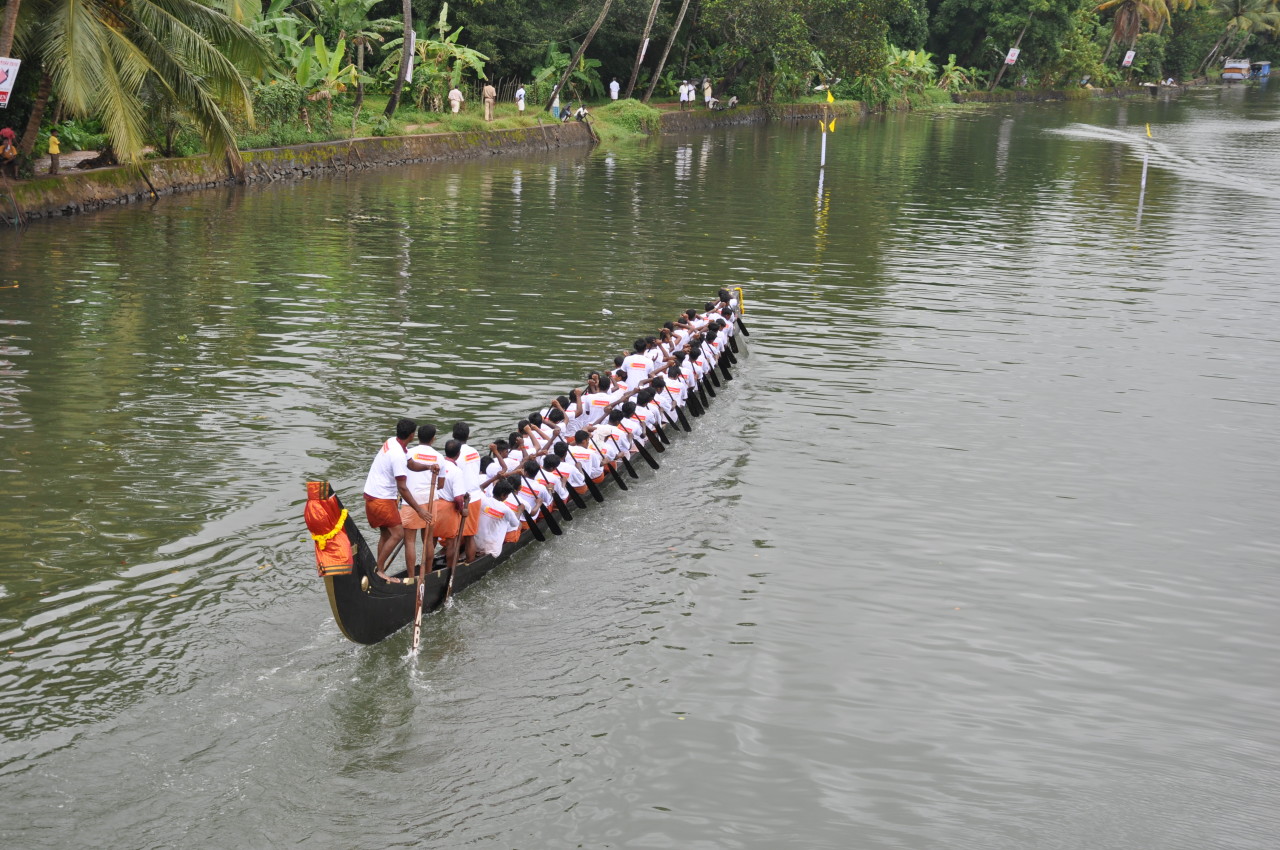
<point x="706" y="91"/>
<point x="8" y="154"/>
<point x="55" y="148"/>
<point x="490" y="100"/>
<point x="684" y="93"/>
<point x="614" y="88"/>
<point x="455" y="99"/>
<point x="520" y="99"/>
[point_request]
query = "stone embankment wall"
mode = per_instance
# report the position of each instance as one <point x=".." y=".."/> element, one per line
<point x="80" y="192"/>
<point x="694" y="120"/>
<point x="1042" y="95"/>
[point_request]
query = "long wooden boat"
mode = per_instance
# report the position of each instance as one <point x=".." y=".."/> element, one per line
<point x="369" y="609"/>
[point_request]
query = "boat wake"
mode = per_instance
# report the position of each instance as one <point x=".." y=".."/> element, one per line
<point x="1165" y="157"/>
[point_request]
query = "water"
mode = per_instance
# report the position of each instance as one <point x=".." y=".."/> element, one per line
<point x="978" y="550"/>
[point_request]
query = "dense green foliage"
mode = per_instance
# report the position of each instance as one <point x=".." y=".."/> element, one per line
<point x="178" y="76"/>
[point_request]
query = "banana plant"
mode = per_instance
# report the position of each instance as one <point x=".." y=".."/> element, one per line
<point x="322" y="75"/>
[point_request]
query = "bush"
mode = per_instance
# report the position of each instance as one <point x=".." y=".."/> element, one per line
<point x="384" y="126"/>
<point x="630" y="115"/>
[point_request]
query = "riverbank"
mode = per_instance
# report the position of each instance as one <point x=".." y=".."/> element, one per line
<point x="75" y="192"/>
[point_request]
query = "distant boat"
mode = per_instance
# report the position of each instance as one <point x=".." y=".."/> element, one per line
<point x="1238" y="69"/>
<point x="1260" y="70"/>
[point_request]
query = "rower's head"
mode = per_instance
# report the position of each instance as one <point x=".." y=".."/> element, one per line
<point x="561" y="450"/>
<point x="659" y="383"/>
<point x="691" y="314"/>
<point x="501" y="447"/>
<point x="680" y="358"/>
<point x="669" y="326"/>
<point x="563" y="399"/>
<point x="461" y="431"/>
<point x="650" y="342"/>
<point x="708" y="307"/>
<point x="629" y="408"/>
<point x="550" y="462"/>
<point x="645" y="396"/>
<point x="581" y="438"/>
<point x="674" y="371"/>
<point x="452" y="448"/>
<point x="556" y="416"/>
<point x="501" y="489"/>
<point x="530" y="468"/>
<point x="617" y="361"/>
<point x="514" y="440"/>
<point x="521" y="425"/>
<point x="723" y="295"/>
<point x="620" y="375"/>
<point x="639" y="345"/>
<point x="485" y="463"/>
<point x="727" y="313"/>
<point x="616" y="416"/>
<point x="426" y="433"/>
<point x="535" y="419"/>
<point x="405" y="429"/>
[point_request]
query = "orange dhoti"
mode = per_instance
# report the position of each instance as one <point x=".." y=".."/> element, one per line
<point x="446" y="520"/>
<point x="381" y="513"/>
<point x="473" y="518"/>
<point x="411" y="519"/>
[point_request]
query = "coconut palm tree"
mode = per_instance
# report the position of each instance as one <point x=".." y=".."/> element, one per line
<point x="1129" y="17"/>
<point x="1244" y="19"/>
<point x="108" y="59"/>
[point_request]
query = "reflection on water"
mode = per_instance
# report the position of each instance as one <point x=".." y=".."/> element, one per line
<point x="977" y="549"/>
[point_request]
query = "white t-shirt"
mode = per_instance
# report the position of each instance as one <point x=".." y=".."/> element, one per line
<point x="614" y="88"/>
<point x="388" y="465"/>
<point x="449" y="485"/>
<point x="455" y="94"/>
<point x="520" y="97"/>
<point x="593" y="407"/>
<point x="637" y="366"/>
<point x="469" y="464"/>
<point x="588" y="459"/>
<point x="571" y="475"/>
<point x="420" y="482"/>
<point x="496" y="520"/>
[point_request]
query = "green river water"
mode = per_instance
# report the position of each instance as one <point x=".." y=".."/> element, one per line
<point x="979" y="550"/>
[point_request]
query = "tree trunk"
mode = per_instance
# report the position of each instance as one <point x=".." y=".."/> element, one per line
<point x="359" y="83"/>
<point x="405" y="53"/>
<point x="688" y="42"/>
<point x="41" y="103"/>
<point x="1209" y="56"/>
<point x="7" y="27"/>
<point x="1003" y="66"/>
<point x="657" y="72"/>
<point x="582" y="48"/>
<point x="1106" y="54"/>
<point x="644" y="38"/>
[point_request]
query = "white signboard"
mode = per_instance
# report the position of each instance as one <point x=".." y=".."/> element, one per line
<point x="1013" y="56"/>
<point x="1128" y="58"/>
<point x="8" y="76"/>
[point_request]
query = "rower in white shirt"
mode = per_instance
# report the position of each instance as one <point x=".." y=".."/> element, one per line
<point x="497" y="520"/>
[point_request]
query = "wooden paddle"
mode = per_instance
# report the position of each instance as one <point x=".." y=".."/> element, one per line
<point x="457" y="545"/>
<point x="644" y="453"/>
<point x="591" y="485"/>
<point x="684" y="420"/>
<point x="421" y="570"/>
<point x="560" y="502"/>
<point x="550" y="515"/>
<point x="613" y="468"/>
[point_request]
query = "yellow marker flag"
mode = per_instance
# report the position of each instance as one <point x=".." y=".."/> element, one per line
<point x="830" y="98"/>
<point x="1148" y="131"/>
<point x="833" y="125"/>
